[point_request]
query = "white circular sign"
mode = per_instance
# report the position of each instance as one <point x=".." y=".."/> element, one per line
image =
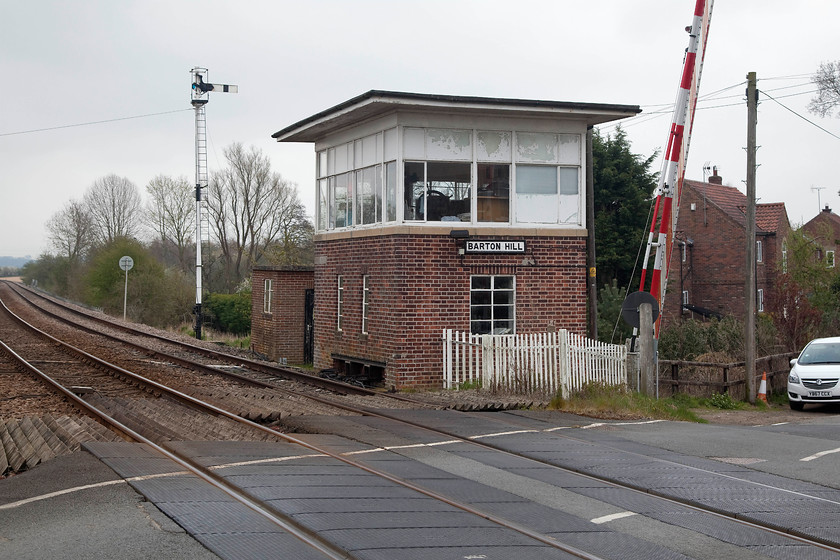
<point x="126" y="263"/>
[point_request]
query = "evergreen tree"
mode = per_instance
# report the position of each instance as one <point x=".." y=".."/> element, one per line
<point x="624" y="187"/>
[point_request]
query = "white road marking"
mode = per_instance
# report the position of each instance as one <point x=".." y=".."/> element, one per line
<point x="613" y="517"/>
<point x="820" y="454"/>
<point x="497" y="434"/>
<point x="13" y="505"/>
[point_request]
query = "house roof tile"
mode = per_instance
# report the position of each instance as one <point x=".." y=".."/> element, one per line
<point x="769" y="217"/>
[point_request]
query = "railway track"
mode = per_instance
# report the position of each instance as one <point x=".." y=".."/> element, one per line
<point x="136" y="407"/>
<point x="437" y="429"/>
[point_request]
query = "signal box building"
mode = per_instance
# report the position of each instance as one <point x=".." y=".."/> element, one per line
<point x="442" y="212"/>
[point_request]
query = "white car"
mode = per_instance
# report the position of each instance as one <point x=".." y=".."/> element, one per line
<point x="814" y="375"/>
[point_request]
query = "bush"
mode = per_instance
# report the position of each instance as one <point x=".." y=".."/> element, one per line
<point x="230" y="313"/>
<point x="722" y="401"/>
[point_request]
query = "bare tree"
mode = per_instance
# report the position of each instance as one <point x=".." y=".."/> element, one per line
<point x="249" y="206"/>
<point x="294" y="244"/>
<point x="827" y="80"/>
<point x="71" y="231"/>
<point x="114" y="206"/>
<point x="170" y="213"/>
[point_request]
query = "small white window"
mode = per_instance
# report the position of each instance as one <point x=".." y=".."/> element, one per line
<point x="340" y="304"/>
<point x="759" y="252"/>
<point x="829" y="259"/>
<point x="365" y="303"/>
<point x="685" y="297"/>
<point x="784" y="257"/>
<point x="760" y="300"/>
<point x="268" y="295"/>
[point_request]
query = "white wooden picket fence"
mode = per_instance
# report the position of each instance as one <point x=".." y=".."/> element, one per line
<point x="531" y="363"/>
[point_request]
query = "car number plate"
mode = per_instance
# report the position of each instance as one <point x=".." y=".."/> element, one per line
<point x="819" y="393"/>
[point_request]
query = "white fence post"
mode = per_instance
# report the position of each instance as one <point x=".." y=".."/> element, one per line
<point x="534" y="362"/>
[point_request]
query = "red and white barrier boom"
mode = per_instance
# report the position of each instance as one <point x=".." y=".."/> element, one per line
<point x="663" y="224"/>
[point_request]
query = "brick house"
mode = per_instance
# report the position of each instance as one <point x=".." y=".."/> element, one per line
<point x="824" y="230"/>
<point x="437" y="211"/>
<point x="708" y="267"/>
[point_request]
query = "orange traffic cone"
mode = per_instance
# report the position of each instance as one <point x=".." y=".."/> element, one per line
<point x="762" y="389"/>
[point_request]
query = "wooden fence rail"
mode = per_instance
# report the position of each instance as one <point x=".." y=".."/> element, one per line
<point x="705" y="378"/>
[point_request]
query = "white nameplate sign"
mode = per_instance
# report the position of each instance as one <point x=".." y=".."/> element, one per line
<point x="478" y="246"/>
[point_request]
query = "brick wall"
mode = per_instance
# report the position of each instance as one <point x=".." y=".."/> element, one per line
<point x="419" y="285"/>
<point x="279" y="334"/>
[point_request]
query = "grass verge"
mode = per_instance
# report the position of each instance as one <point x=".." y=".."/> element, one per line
<point x="617" y="402"/>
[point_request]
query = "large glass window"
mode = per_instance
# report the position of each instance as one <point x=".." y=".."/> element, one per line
<point x="450" y="175"/>
<point x="493" y="195"/>
<point x="437" y="191"/>
<point x="391" y="191"/>
<point x="536" y="194"/>
<point x="492" y="304"/>
<point x="343" y="199"/>
<point x="369" y="195"/>
<point x="414" y="190"/>
<point x="547" y="194"/>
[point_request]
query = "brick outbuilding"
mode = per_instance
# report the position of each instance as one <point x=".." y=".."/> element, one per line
<point x="281" y="328"/>
<point x="436" y="212"/>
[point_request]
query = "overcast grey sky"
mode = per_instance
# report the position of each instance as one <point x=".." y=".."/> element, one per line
<point x="68" y="63"/>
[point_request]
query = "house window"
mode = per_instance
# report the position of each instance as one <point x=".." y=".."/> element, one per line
<point x="683" y="252"/>
<point x="759" y="253"/>
<point x="685" y="297"/>
<point x="829" y="259"/>
<point x="760" y="300"/>
<point x="492" y="305"/>
<point x="268" y="295"/>
<point x="784" y="257"/>
<point x="365" y="303"/>
<point x="340" y="304"/>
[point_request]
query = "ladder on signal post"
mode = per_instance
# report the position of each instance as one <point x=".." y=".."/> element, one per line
<point x="201" y="179"/>
<point x="199" y="98"/>
<point x="663" y="224"/>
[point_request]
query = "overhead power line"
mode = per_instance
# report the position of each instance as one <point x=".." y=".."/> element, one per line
<point x="91" y="123"/>
<point x="809" y="121"/>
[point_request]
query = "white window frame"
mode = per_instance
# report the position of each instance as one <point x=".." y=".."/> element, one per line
<point x="493" y="306"/>
<point x="685" y="297"/>
<point x="268" y="294"/>
<point x="784" y="256"/>
<point x="340" y="303"/>
<point x="759" y="251"/>
<point x="760" y="300"/>
<point x="365" y="303"/>
<point x="829" y="258"/>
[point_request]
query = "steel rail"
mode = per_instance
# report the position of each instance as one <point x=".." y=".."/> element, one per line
<point x="227" y="487"/>
<point x="330" y="384"/>
<point x="191" y="364"/>
<point x="218" y="482"/>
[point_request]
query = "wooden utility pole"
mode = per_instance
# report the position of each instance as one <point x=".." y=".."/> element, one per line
<point x="590" y="239"/>
<point x="749" y="318"/>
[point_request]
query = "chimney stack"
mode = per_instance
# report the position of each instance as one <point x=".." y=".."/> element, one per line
<point x="715" y="179"/>
<point x="827" y="209"/>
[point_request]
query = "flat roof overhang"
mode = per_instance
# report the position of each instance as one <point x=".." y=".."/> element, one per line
<point x="376" y="103"/>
